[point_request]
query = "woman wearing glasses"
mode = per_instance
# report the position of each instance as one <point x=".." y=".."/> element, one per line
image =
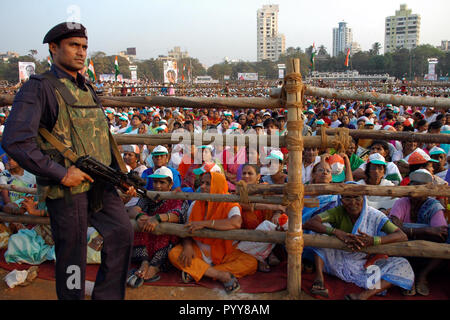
<point x="359" y="226"/>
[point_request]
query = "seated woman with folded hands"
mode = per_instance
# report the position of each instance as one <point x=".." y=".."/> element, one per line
<point x="215" y="258"/>
<point x="151" y="250"/>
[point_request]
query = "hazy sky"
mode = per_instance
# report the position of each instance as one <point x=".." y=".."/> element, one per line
<point x="208" y="29"/>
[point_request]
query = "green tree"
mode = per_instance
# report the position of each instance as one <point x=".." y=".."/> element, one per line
<point x="420" y="56"/>
<point x="375" y="51"/>
<point x="322" y="51"/>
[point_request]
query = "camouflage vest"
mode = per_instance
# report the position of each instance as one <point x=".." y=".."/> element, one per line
<point x="81" y="126"/>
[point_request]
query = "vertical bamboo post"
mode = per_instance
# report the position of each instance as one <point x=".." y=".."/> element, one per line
<point x="295" y="193"/>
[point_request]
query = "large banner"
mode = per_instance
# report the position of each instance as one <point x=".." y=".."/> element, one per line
<point x="133" y="71"/>
<point x="281" y="68"/>
<point x="432" y="62"/>
<point x="248" y="76"/>
<point x="170" y="72"/>
<point x="111" y="77"/>
<point x="26" y="69"/>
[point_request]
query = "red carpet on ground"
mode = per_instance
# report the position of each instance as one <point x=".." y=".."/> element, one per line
<point x="259" y="282"/>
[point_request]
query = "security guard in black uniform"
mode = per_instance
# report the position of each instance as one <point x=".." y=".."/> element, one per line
<point x="62" y="102"/>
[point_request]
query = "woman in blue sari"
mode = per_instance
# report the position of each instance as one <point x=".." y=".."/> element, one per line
<point x="421" y="218"/>
<point x="359" y="226"/>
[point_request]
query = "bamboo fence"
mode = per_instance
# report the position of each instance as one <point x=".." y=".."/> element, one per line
<point x="291" y="194"/>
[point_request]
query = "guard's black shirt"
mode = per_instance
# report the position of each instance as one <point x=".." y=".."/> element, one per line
<point x="35" y="106"/>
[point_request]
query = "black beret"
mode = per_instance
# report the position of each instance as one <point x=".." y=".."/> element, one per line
<point x="65" y="30"/>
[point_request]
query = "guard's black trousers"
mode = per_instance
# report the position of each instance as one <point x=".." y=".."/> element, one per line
<point x="69" y="228"/>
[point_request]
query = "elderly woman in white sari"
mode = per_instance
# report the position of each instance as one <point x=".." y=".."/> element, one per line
<point x="359" y="226"/>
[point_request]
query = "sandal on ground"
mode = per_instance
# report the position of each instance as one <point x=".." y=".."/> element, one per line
<point x="411" y="292"/>
<point x="263" y="266"/>
<point x="133" y="280"/>
<point x="186" y="277"/>
<point x="422" y="287"/>
<point x="232" y="286"/>
<point x="155" y="278"/>
<point x="318" y="288"/>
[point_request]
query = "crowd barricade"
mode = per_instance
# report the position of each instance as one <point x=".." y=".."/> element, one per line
<point x="292" y="193"/>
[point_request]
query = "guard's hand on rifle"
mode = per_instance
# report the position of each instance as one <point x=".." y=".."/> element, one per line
<point x="75" y="177"/>
<point x="131" y="192"/>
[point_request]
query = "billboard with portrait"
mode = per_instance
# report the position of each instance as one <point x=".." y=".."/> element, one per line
<point x="26" y="69"/>
<point x="170" y="72"/>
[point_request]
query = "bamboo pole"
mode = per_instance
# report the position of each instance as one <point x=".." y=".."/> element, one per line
<point x="294" y="238"/>
<point x="443" y="103"/>
<point x="194" y="102"/>
<point x="310" y="190"/>
<point x="157" y="195"/>
<point x="350" y="189"/>
<point x="11" y="187"/>
<point x="265" y="140"/>
<point x="419" y="248"/>
<point x="24" y="218"/>
<point x="391" y="135"/>
<point x="261" y="103"/>
<point x="208" y="138"/>
<point x="256" y="140"/>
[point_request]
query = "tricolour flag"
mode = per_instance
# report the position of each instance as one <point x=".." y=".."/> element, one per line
<point x="49" y="61"/>
<point x="91" y="71"/>
<point x="116" y="68"/>
<point x="347" y="58"/>
<point x="313" y="55"/>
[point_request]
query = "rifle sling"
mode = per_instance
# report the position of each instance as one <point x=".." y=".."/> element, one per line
<point x="61" y="147"/>
<point x="116" y="154"/>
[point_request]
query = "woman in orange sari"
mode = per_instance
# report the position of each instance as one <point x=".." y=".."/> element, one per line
<point x="215" y="258"/>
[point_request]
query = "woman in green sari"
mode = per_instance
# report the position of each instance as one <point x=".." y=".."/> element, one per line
<point x="355" y="161"/>
<point x="359" y="226"/>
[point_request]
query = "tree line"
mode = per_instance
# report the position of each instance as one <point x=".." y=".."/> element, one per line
<point x="402" y="63"/>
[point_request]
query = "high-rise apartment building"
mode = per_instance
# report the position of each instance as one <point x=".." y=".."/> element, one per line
<point x="342" y="38"/>
<point x="177" y="54"/>
<point x="270" y="44"/>
<point x="402" y="30"/>
<point x="445" y="45"/>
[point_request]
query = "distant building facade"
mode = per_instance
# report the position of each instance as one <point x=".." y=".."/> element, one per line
<point x="402" y="30"/>
<point x="270" y="44"/>
<point x="445" y="45"/>
<point x="342" y="38"/>
<point x="177" y="54"/>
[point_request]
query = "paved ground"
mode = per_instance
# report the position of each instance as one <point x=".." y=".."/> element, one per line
<point x="45" y="290"/>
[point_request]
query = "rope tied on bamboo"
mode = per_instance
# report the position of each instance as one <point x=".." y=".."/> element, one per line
<point x="293" y="87"/>
<point x="342" y="140"/>
<point x="294" y="143"/>
<point x="293" y="195"/>
<point x="243" y="191"/>
<point x="294" y="242"/>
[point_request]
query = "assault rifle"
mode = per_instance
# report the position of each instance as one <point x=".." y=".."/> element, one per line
<point x="96" y="169"/>
<point x="123" y="181"/>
